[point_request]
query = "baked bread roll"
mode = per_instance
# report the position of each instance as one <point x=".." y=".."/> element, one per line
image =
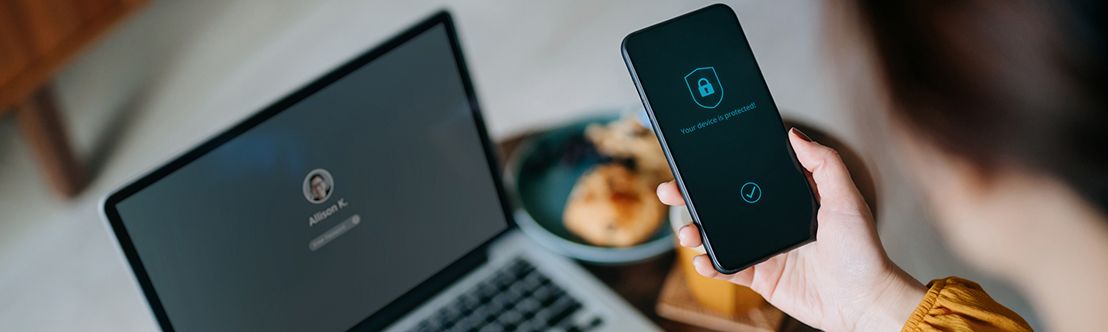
<point x="613" y="206"/>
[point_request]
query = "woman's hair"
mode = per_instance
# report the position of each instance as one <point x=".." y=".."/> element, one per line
<point x="1000" y="82"/>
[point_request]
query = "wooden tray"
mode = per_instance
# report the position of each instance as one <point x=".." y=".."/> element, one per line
<point x="676" y="302"/>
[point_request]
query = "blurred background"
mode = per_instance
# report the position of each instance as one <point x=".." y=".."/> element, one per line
<point x="161" y="76"/>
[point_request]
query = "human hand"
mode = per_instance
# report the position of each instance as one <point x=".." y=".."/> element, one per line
<point x="843" y="281"/>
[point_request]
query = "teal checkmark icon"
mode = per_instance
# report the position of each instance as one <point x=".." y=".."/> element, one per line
<point x="751" y="192"/>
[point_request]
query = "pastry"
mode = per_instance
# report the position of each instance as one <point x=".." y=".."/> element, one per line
<point x="611" y="205"/>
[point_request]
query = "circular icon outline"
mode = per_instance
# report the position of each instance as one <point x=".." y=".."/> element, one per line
<point x="307" y="185"/>
<point x="742" y="191"/>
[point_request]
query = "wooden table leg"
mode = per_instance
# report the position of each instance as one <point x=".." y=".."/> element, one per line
<point x="43" y="129"/>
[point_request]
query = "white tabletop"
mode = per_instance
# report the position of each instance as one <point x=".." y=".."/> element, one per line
<point x="181" y="71"/>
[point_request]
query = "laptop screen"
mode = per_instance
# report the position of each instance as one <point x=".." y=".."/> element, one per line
<point x="324" y="213"/>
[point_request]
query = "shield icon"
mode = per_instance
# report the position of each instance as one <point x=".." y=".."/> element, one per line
<point x="704" y="86"/>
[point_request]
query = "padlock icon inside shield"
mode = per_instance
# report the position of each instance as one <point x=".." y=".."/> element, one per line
<point x="704" y="86"/>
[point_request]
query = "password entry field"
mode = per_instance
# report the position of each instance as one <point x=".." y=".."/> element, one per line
<point x="334" y="232"/>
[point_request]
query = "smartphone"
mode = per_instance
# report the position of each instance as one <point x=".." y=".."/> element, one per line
<point x="723" y="136"/>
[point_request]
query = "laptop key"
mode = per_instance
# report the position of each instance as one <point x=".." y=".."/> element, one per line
<point x="448" y="314"/>
<point x="492" y="328"/>
<point x="563" y="314"/>
<point x="542" y="293"/>
<point x="444" y="322"/>
<point x="519" y="268"/>
<point x="528" y="306"/>
<point x="552" y="297"/>
<point x="596" y="321"/>
<point x="486" y="291"/>
<point x="510" y="318"/>
<point x="495" y="306"/>
<point x="543" y="280"/>
<point x="471" y="301"/>
<point x="503" y="300"/>
<point x="522" y="272"/>
<point x="531" y="281"/>
<point x="479" y="314"/>
<point x="513" y="295"/>
<point x="466" y="324"/>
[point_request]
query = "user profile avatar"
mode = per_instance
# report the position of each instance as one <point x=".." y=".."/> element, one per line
<point x="318" y="186"/>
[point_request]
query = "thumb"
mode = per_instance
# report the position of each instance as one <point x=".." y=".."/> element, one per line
<point x="836" y="189"/>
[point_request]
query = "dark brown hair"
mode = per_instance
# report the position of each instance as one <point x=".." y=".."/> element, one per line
<point x="1000" y="82"/>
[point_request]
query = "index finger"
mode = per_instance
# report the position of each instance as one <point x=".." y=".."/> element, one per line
<point x="669" y="194"/>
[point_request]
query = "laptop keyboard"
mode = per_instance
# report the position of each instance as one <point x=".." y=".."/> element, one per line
<point x="516" y="298"/>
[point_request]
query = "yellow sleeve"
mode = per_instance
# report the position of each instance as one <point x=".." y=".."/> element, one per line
<point x="956" y="304"/>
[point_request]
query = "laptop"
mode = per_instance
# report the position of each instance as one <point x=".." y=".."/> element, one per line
<point x="368" y="200"/>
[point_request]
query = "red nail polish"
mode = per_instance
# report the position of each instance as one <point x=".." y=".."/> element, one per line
<point x="801" y="135"/>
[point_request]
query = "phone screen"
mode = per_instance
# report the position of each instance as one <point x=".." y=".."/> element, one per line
<point x="723" y="136"/>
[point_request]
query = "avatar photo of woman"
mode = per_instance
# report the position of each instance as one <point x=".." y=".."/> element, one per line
<point x="318" y="186"/>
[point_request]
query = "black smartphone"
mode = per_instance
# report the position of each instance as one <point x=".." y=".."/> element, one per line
<point x="723" y="136"/>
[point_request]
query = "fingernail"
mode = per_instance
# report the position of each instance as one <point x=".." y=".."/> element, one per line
<point x="801" y="134"/>
<point x="700" y="268"/>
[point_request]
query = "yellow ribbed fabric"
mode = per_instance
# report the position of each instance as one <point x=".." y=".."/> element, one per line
<point x="956" y="304"/>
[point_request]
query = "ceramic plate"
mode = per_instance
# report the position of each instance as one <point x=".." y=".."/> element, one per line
<point x="542" y="174"/>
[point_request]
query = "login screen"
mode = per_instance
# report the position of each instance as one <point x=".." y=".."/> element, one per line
<point x="323" y="214"/>
<point x="724" y="135"/>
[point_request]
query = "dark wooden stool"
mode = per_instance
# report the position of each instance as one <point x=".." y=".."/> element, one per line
<point x="37" y="38"/>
